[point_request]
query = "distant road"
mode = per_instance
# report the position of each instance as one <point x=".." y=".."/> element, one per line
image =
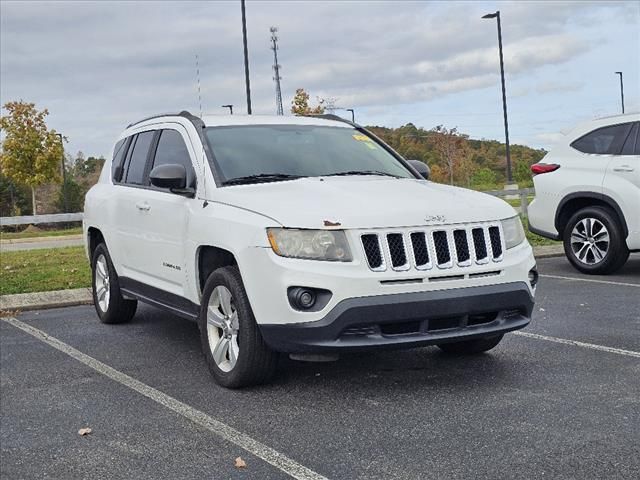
<point x="41" y="242"/>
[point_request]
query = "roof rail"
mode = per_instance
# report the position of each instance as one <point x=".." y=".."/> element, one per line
<point x="329" y="116"/>
<point x="183" y="113"/>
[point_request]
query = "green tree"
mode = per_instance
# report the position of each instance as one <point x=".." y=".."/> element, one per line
<point x="14" y="198"/>
<point x="300" y="104"/>
<point x="75" y="196"/>
<point x="484" y="177"/>
<point x="31" y="153"/>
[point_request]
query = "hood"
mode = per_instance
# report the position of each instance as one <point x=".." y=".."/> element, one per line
<point x="364" y="202"/>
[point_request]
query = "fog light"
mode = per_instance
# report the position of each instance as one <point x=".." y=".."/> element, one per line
<point x="533" y="277"/>
<point x="302" y="298"/>
<point x="306" y="299"/>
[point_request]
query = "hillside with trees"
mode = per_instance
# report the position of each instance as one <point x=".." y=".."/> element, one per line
<point x="456" y="159"/>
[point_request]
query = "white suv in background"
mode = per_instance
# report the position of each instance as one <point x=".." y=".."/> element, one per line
<point x="299" y="235"/>
<point x="588" y="193"/>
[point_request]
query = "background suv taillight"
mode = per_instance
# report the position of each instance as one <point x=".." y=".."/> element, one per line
<point x="538" y="168"/>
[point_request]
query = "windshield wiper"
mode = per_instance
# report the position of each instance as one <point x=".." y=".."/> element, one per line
<point x="261" y="177"/>
<point x="361" y="172"/>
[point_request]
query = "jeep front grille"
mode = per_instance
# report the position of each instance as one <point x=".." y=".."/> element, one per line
<point x="439" y="247"/>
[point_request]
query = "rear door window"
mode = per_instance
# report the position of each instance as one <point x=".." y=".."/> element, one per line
<point x="138" y="160"/>
<point x="605" y="140"/>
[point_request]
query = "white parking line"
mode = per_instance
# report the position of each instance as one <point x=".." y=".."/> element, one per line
<point x="575" y="343"/>
<point x="222" y="430"/>
<point x="592" y="280"/>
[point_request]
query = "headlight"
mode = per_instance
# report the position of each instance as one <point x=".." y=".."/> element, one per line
<point x="513" y="231"/>
<point x="311" y="244"/>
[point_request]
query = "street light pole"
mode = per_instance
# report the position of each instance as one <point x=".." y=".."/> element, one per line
<point x="621" y="90"/>
<point x="353" y="115"/>
<point x="496" y="15"/>
<point x="64" y="177"/>
<point x="246" y="56"/>
<point x="230" y="107"/>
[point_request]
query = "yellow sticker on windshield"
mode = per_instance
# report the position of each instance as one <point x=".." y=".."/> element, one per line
<point x="367" y="141"/>
<point x="362" y="138"/>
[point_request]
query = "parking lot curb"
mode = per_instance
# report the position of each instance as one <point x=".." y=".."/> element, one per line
<point x="42" y="300"/>
<point x="548" y="251"/>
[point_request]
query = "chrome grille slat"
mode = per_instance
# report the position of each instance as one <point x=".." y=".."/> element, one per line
<point x="433" y="247"/>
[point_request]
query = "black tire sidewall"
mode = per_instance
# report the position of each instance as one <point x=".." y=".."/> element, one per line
<point x="617" y="253"/>
<point x="119" y="310"/>
<point x="255" y="362"/>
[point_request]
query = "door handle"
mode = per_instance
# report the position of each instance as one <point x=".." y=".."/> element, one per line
<point x="623" y="168"/>
<point x="144" y="206"/>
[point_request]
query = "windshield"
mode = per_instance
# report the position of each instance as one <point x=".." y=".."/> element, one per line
<point x="280" y="152"/>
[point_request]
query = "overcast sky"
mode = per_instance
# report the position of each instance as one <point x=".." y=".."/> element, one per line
<point x="97" y="66"/>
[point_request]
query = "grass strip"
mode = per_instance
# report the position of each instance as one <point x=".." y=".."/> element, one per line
<point x="27" y="271"/>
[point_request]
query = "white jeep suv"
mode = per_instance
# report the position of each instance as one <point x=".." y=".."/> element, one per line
<point x="588" y="193"/>
<point x="301" y="235"/>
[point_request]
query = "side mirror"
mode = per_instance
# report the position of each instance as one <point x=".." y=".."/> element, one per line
<point x="172" y="176"/>
<point x="421" y="167"/>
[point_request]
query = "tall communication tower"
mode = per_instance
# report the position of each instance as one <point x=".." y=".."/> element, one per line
<point x="276" y="70"/>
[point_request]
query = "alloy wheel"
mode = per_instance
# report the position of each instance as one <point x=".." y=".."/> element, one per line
<point x="590" y="241"/>
<point x="222" y="328"/>
<point x="102" y="285"/>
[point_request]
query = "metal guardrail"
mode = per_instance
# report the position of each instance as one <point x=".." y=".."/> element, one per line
<point x="523" y="194"/>
<point x="39" y="219"/>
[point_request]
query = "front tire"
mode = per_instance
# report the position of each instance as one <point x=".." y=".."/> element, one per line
<point x="107" y="298"/>
<point x="594" y="242"/>
<point x="471" y="347"/>
<point x="234" y="349"/>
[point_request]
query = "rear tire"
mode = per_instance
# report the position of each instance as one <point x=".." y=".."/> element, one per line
<point x="471" y="347"/>
<point x="107" y="298"/>
<point x="234" y="349"/>
<point x="594" y="242"/>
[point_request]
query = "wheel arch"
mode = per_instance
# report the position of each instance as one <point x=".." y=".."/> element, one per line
<point x="210" y="258"/>
<point x="94" y="238"/>
<point x="578" y="200"/>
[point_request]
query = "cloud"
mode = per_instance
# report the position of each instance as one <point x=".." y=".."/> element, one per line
<point x="559" y="86"/>
<point x="99" y="65"/>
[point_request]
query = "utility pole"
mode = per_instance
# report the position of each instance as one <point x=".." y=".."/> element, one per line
<point x="621" y="91"/>
<point x="276" y="70"/>
<point x="246" y="56"/>
<point x="496" y="15"/>
<point x="64" y="177"/>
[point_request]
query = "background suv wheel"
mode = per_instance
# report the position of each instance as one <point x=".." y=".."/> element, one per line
<point x="593" y="241"/>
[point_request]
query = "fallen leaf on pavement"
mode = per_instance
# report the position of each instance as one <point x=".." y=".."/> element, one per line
<point x="240" y="463"/>
<point x="84" y="431"/>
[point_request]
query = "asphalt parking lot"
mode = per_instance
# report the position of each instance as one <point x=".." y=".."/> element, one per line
<point x="561" y="403"/>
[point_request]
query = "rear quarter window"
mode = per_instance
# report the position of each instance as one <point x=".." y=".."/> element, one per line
<point x="118" y="155"/>
<point x="604" y="141"/>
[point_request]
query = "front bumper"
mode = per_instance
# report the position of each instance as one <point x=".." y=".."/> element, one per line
<point x="408" y="320"/>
